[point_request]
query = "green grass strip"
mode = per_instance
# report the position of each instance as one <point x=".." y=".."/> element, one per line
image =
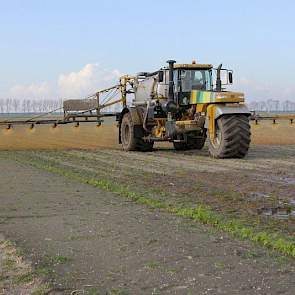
<point x="201" y="214"/>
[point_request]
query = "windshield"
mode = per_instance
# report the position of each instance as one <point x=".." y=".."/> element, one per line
<point x="195" y="80"/>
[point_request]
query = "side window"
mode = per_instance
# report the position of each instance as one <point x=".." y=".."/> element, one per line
<point x="198" y="76"/>
<point x="161" y="76"/>
<point x="186" y="80"/>
<point x="199" y="80"/>
<point x="166" y="77"/>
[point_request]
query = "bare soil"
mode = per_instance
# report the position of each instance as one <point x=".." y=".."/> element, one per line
<point x="90" y="240"/>
<point x="241" y="188"/>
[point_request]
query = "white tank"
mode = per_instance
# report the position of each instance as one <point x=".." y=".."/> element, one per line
<point x="149" y="88"/>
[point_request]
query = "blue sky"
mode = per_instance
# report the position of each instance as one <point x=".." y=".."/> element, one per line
<point x="42" y="41"/>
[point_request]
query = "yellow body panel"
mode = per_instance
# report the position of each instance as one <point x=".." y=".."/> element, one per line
<point x="211" y="117"/>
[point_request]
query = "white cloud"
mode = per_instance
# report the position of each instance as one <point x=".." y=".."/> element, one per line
<point x="256" y="90"/>
<point x="33" y="91"/>
<point x="93" y="77"/>
<point x="90" y="78"/>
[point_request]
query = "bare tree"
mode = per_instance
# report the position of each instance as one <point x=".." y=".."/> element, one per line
<point x="15" y="103"/>
<point x="273" y="105"/>
<point x="8" y="103"/>
<point x="2" y="106"/>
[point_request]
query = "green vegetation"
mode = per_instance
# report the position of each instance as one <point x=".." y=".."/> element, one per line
<point x="44" y="271"/>
<point x="9" y="263"/>
<point x="57" y="259"/>
<point x="252" y="254"/>
<point x="116" y="291"/>
<point x="152" y="265"/>
<point x="219" y="265"/>
<point x="43" y="290"/>
<point x="24" y="278"/>
<point x="203" y="214"/>
<point x="91" y="291"/>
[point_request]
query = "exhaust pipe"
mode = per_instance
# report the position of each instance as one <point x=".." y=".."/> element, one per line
<point x="218" y="79"/>
<point x="171" y="81"/>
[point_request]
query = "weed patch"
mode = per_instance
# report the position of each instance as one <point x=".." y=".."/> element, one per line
<point x="151" y="265"/>
<point x="57" y="259"/>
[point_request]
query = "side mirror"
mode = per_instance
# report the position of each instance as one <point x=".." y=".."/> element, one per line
<point x="161" y="76"/>
<point x="230" y="77"/>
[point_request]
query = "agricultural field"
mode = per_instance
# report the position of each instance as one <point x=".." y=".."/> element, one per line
<point x="80" y="216"/>
<point x="89" y="136"/>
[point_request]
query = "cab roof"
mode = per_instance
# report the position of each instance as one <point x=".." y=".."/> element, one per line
<point x="178" y="66"/>
<point x="193" y="66"/>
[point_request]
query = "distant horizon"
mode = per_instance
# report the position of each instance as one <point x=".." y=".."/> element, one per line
<point x="34" y="106"/>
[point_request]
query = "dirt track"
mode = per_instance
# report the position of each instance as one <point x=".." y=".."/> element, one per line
<point x="109" y="243"/>
<point x="238" y="188"/>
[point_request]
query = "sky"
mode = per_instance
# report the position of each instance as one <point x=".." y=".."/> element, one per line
<point x="72" y="48"/>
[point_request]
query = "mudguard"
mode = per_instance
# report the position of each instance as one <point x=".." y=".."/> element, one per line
<point x="220" y="110"/>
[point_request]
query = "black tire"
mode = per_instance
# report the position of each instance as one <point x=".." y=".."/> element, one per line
<point x="232" y="138"/>
<point x="196" y="142"/>
<point x="127" y="133"/>
<point x="144" y="146"/>
<point x="193" y="142"/>
<point x="180" y="146"/>
<point x="128" y="138"/>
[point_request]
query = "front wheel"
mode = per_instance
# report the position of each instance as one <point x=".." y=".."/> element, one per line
<point x="192" y="141"/>
<point x="130" y="136"/>
<point x="127" y="133"/>
<point x="232" y="137"/>
<point x="196" y="141"/>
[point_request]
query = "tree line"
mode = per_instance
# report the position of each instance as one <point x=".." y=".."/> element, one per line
<point x="13" y="105"/>
<point x="272" y="105"/>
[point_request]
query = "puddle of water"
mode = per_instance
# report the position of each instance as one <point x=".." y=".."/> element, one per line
<point x="292" y="203"/>
<point x="288" y="180"/>
<point x="281" y="216"/>
<point x="258" y="196"/>
<point x="265" y="211"/>
<point x="282" y="213"/>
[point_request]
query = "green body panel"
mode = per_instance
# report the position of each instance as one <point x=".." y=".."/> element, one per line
<point x="198" y="96"/>
<point x="202" y="97"/>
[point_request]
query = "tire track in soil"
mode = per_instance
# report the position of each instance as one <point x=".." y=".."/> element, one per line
<point x="112" y="243"/>
<point x="227" y="193"/>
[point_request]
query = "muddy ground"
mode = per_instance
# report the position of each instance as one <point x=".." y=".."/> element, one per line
<point x="86" y="239"/>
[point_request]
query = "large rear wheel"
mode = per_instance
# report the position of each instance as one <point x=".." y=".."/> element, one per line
<point x="130" y="138"/>
<point x="232" y="137"/>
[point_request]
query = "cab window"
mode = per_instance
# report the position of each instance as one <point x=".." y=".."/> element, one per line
<point x="195" y="80"/>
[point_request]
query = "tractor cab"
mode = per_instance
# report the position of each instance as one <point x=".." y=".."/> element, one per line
<point x="200" y="80"/>
<point x="189" y="77"/>
<point x="189" y="81"/>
